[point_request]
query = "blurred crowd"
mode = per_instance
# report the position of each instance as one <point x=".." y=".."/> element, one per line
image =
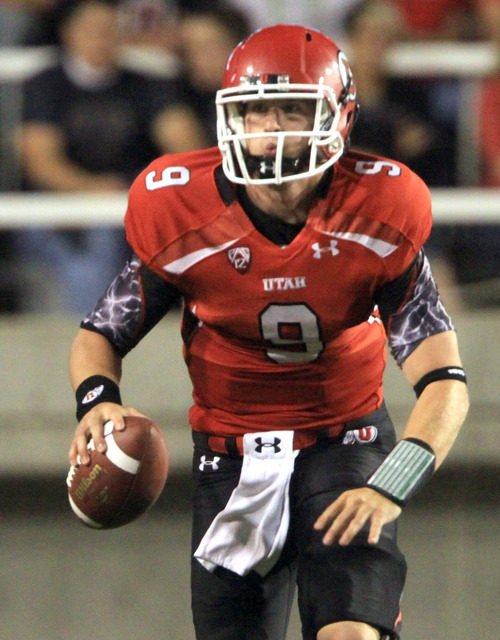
<point x="129" y="80"/>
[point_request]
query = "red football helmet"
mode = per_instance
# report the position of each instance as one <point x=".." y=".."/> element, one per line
<point x="285" y="62"/>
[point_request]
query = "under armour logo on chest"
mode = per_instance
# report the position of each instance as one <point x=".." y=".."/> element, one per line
<point x="261" y="445"/>
<point x="318" y="251"/>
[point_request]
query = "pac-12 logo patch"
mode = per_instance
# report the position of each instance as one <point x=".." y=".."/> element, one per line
<point x="240" y="258"/>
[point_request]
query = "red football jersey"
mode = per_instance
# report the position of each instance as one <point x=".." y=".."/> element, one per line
<point x="279" y="337"/>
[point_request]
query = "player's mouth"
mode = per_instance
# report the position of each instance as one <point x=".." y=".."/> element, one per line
<point x="270" y="149"/>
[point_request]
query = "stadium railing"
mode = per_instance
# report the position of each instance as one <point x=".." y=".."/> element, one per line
<point x="20" y="210"/>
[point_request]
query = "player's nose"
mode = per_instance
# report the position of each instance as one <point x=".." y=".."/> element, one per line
<point x="272" y="119"/>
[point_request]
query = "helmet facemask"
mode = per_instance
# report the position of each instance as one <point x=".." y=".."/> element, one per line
<point x="325" y="143"/>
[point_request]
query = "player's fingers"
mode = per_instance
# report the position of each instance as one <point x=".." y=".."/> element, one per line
<point x="386" y="512"/>
<point x="130" y="411"/>
<point x="90" y="427"/>
<point x="117" y="414"/>
<point x="74" y="458"/>
<point x="339" y="525"/>
<point x="329" y="514"/>
<point x="355" y="525"/>
<point x="78" y="453"/>
<point x="375" y="529"/>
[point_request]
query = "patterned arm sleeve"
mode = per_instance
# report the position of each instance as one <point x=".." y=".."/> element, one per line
<point x="133" y="304"/>
<point x="411" y="309"/>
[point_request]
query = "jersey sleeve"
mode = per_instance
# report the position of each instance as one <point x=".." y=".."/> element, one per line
<point x="168" y="202"/>
<point x="133" y="304"/>
<point x="393" y="204"/>
<point x="411" y="309"/>
<point x="390" y="195"/>
<point x="411" y="214"/>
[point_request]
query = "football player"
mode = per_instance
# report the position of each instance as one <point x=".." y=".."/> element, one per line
<point x="296" y="260"/>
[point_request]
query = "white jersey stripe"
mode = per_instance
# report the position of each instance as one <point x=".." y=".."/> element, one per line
<point x="380" y="247"/>
<point x="177" y="267"/>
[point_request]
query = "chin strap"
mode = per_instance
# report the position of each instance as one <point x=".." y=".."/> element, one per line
<point x="265" y="166"/>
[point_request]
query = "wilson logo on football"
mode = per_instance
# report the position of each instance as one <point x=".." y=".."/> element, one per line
<point x="240" y="258"/>
<point x="361" y="436"/>
<point x="92" y="395"/>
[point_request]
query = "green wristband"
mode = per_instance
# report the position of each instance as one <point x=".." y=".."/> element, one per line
<point x="405" y="470"/>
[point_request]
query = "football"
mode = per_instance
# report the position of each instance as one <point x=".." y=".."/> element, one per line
<point x="119" y="485"/>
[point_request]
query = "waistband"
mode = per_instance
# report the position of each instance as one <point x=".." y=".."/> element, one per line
<point x="233" y="445"/>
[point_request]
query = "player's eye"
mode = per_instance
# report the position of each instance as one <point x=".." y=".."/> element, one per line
<point x="256" y="107"/>
<point x="291" y="107"/>
<point x="297" y="107"/>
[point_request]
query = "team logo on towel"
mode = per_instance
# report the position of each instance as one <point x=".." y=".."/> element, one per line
<point x="240" y="258"/>
<point x="209" y="464"/>
<point x="261" y="445"/>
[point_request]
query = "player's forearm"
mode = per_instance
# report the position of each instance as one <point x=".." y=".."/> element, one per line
<point x="62" y="175"/>
<point x="91" y="354"/>
<point x="438" y="416"/>
<point x="47" y="165"/>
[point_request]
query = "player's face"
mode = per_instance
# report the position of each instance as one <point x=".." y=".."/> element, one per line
<point x="268" y="116"/>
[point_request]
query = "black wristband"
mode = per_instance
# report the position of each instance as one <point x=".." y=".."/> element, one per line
<point x="93" y="391"/>
<point x="405" y="470"/>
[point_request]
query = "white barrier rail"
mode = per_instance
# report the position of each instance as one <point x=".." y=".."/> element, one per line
<point x="458" y="60"/>
<point x="19" y="63"/>
<point x="415" y="59"/>
<point x="19" y="210"/>
<point x="450" y="206"/>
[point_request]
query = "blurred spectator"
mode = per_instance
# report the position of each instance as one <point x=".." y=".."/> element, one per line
<point x="439" y="19"/>
<point x="151" y="36"/>
<point x="15" y="19"/>
<point x="89" y="125"/>
<point x="488" y="12"/>
<point x="469" y="255"/>
<point x="207" y="38"/>
<point x="325" y="15"/>
<point x="488" y="108"/>
<point x="442" y="21"/>
<point x="45" y="23"/>
<point x="9" y="291"/>
<point x="393" y="119"/>
<point x="488" y="118"/>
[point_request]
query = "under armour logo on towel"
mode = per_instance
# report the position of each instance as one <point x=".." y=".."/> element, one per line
<point x="249" y="533"/>
<point x="211" y="464"/>
<point x="261" y="445"/>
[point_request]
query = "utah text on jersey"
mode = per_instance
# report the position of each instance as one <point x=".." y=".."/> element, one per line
<point x="262" y="309"/>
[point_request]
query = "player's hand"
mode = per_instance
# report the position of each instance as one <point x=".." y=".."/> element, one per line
<point x="92" y="426"/>
<point x="345" y="517"/>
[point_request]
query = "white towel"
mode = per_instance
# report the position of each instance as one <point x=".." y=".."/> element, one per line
<point x="250" y="532"/>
